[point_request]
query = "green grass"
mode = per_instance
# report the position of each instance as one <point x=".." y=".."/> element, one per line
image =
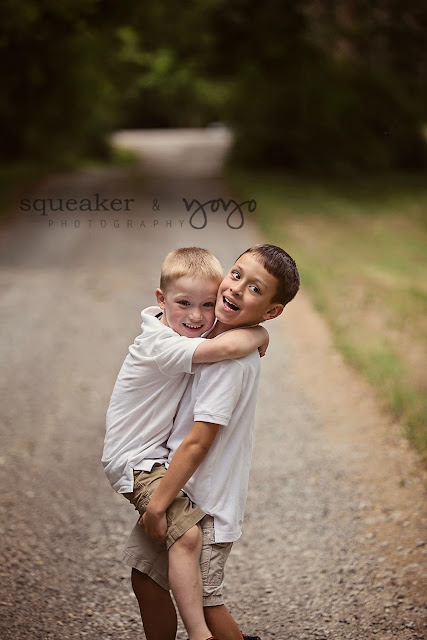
<point x="361" y="248"/>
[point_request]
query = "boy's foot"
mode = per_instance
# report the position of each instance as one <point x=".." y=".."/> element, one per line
<point x="244" y="636"/>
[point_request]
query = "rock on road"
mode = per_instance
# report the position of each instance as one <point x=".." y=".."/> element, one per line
<point x="333" y="542"/>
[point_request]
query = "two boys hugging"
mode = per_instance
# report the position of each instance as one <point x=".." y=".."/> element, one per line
<point x="169" y="431"/>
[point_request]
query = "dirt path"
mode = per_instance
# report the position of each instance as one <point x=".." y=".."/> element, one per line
<point x="333" y="543"/>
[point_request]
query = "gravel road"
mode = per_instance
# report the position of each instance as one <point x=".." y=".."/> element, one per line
<point x="333" y="542"/>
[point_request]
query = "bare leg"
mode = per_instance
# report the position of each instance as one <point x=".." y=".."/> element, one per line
<point x="221" y="623"/>
<point x="157" y="609"/>
<point x="186" y="582"/>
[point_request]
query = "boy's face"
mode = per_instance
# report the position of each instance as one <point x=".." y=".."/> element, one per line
<point x="245" y="294"/>
<point x="188" y="305"/>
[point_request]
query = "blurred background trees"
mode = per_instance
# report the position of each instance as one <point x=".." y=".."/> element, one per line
<point x="59" y="99"/>
<point x="318" y="85"/>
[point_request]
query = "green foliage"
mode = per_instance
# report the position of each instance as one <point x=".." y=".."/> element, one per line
<point x="58" y="99"/>
<point x="166" y="59"/>
<point x="338" y="120"/>
<point x="314" y="87"/>
<point x="303" y="104"/>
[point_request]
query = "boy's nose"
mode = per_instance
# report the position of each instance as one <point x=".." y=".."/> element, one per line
<point x="236" y="290"/>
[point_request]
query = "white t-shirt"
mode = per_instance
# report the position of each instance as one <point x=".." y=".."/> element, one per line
<point x="144" y="400"/>
<point x="223" y="393"/>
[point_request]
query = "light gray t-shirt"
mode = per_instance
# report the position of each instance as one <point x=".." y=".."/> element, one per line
<point x="144" y="400"/>
<point x="222" y="393"/>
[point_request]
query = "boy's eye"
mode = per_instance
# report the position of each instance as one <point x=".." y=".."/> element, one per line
<point x="254" y="288"/>
<point x="184" y="303"/>
<point x="209" y="304"/>
<point x="235" y="274"/>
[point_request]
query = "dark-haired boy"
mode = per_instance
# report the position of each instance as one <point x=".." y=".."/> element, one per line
<point x="211" y="442"/>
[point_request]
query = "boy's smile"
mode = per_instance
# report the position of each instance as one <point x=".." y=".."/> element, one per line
<point x="189" y="305"/>
<point x="245" y="294"/>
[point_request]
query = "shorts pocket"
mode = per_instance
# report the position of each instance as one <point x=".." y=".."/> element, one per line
<point x="213" y="563"/>
<point x="205" y="562"/>
<point x="139" y="498"/>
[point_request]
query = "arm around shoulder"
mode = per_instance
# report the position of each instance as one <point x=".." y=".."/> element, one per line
<point x="232" y="345"/>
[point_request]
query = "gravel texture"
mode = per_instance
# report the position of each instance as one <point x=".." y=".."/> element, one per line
<point x="334" y="536"/>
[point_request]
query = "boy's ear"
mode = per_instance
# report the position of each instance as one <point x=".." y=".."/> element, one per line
<point x="160" y="299"/>
<point x="274" y="312"/>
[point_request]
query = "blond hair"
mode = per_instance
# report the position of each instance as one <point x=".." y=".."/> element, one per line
<point x="190" y="261"/>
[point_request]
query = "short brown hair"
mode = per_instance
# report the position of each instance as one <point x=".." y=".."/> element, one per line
<point x="190" y="261"/>
<point x="279" y="264"/>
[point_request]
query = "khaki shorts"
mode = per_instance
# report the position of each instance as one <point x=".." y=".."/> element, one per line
<point x="150" y="557"/>
<point x="182" y="513"/>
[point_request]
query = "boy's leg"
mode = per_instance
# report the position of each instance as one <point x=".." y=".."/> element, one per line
<point x="183" y="541"/>
<point x="184" y="568"/>
<point x="212" y="562"/>
<point x="157" y="609"/>
<point x="221" y="623"/>
<point x="146" y="556"/>
<point x="149" y="561"/>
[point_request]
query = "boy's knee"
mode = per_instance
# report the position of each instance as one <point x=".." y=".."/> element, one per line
<point x="191" y="540"/>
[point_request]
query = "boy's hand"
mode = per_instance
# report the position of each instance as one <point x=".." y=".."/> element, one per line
<point x="155" y="525"/>
<point x="263" y="347"/>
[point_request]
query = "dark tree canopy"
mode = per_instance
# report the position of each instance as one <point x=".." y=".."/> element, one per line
<point x="320" y="84"/>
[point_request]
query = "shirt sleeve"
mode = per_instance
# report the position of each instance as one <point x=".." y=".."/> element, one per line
<point x="219" y="387"/>
<point x="174" y="354"/>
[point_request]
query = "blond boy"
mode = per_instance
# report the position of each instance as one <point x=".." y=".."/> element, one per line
<point x="144" y="401"/>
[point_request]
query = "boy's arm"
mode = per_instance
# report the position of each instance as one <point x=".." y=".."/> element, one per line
<point x="232" y="345"/>
<point x="188" y="457"/>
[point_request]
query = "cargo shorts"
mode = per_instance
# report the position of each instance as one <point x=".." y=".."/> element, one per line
<point x="182" y="513"/>
<point x="150" y="557"/>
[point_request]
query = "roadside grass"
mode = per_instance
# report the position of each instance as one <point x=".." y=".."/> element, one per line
<point x="361" y="249"/>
